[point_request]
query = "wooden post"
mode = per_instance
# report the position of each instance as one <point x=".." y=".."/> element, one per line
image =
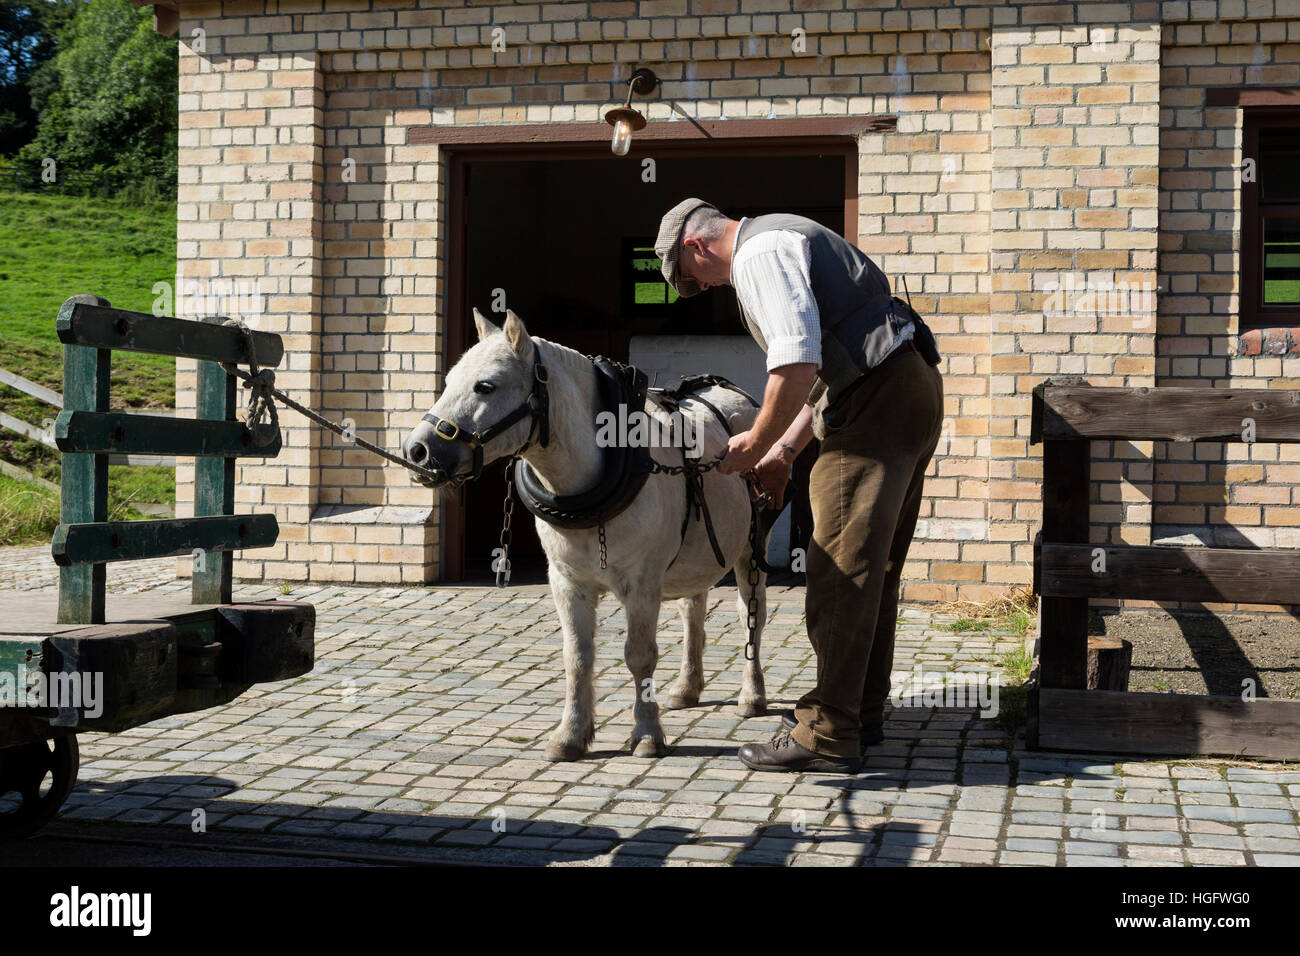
<point x="1063" y="622"/>
<point x="83" y="478"/>
<point x="1109" y="660"/>
<point x="214" y="483"/>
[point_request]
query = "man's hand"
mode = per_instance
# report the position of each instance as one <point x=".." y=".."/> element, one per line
<point x="742" y="454"/>
<point x="773" y="474"/>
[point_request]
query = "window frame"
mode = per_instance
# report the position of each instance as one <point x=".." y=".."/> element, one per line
<point x="1253" y="312"/>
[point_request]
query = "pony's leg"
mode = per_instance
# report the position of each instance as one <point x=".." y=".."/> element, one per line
<point x="642" y="653"/>
<point x="753" y="694"/>
<point x="577" y="610"/>
<point x="690" y="680"/>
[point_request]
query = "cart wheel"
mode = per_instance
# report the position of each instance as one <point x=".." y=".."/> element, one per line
<point x="35" y="779"/>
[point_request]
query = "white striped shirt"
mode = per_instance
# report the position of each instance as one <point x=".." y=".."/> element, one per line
<point x="771" y="276"/>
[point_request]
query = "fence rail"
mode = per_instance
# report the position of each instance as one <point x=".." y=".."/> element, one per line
<point x="1069" y="568"/>
<point x="104" y="184"/>
<point x="51" y="397"/>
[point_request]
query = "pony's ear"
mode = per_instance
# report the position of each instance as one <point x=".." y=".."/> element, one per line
<point x="485" y="328"/>
<point x="516" y="334"/>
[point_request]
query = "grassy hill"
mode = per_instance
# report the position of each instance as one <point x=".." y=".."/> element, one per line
<point x="54" y="246"/>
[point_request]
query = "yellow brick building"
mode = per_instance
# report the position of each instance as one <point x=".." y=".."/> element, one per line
<point x="1089" y="189"/>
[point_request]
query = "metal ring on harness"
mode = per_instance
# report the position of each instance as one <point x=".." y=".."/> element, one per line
<point x="537" y="406"/>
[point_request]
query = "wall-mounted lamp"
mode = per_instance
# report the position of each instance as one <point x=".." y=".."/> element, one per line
<point x="626" y="120"/>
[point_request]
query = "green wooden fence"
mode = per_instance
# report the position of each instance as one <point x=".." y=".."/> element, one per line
<point x="87" y="432"/>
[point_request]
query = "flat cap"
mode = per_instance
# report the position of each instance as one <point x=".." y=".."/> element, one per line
<point x="668" y="244"/>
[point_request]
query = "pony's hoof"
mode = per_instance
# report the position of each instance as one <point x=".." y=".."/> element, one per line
<point x="752" y="708"/>
<point x="564" y="750"/>
<point x="649" y="746"/>
<point x="676" y="701"/>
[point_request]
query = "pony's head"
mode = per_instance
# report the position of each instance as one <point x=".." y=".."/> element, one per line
<point x="492" y="381"/>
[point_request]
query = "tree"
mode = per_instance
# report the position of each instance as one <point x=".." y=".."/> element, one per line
<point x="111" y="102"/>
<point x="28" y="35"/>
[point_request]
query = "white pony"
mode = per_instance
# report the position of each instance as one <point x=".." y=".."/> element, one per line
<point x="648" y="559"/>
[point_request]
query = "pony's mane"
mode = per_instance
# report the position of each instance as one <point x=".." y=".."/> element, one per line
<point x="570" y="357"/>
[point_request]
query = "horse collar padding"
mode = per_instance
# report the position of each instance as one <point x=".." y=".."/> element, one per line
<point x="624" y="469"/>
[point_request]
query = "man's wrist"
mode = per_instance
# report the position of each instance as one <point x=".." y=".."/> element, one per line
<point x="785" y="452"/>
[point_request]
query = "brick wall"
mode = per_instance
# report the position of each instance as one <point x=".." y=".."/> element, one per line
<point x="1039" y="148"/>
<point x="1233" y="495"/>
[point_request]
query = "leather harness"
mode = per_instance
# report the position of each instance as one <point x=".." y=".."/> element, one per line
<point x="537" y="405"/>
<point x="671" y="399"/>
<point x="625" y="468"/>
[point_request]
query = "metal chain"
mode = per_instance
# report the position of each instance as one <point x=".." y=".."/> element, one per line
<point x="604" y="554"/>
<point x="507" y="512"/>
<point x="262" y="385"/>
<point x="751" y="618"/>
<point x="686" y="466"/>
<point x="761" y="499"/>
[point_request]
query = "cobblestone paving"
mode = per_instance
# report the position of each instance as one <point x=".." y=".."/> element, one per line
<point x="425" y="718"/>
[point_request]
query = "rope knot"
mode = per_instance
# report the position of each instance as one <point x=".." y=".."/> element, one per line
<point x="261" y="417"/>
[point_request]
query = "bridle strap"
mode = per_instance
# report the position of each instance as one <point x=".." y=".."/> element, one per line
<point x="537" y="406"/>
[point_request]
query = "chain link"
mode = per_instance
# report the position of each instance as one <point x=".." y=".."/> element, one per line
<point x="761" y="499"/>
<point x="604" y="555"/>
<point x="751" y="618"/>
<point x="507" y="512"/>
<point x="263" y="387"/>
<point x="686" y="466"/>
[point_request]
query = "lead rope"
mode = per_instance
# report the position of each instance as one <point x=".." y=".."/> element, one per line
<point x="262" y="386"/>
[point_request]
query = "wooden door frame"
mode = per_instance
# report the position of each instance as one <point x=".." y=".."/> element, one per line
<point x="464" y="146"/>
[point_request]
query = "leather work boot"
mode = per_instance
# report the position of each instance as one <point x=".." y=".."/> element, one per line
<point x="784" y="753"/>
<point x="867" y="736"/>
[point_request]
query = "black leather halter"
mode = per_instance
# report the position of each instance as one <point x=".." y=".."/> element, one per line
<point x="537" y="405"/>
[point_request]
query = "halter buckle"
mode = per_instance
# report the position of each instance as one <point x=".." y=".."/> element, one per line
<point x="455" y="430"/>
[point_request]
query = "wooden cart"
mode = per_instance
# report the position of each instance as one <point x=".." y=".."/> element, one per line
<point x="85" y="660"/>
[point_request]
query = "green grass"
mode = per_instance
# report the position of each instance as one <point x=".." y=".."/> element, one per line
<point x="55" y="246"/>
<point x="1013" y="708"/>
<point x="28" y="512"/>
<point x="1018" y="664"/>
<point x="1013" y="699"/>
<point x="52" y="247"/>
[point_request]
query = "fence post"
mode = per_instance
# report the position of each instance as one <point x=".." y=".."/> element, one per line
<point x="1062" y="622"/>
<point x="214" y="481"/>
<point x="83" y="477"/>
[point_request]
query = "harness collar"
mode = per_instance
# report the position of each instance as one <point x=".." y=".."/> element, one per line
<point x="537" y="406"/>
<point x="624" y="469"/>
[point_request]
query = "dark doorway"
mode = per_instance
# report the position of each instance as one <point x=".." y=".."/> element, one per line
<point x="559" y="240"/>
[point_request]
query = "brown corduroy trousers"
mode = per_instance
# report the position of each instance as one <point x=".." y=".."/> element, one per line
<point x="865" y="491"/>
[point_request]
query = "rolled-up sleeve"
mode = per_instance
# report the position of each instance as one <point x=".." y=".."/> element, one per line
<point x="771" y="276"/>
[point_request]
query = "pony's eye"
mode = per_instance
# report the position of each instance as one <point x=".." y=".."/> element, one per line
<point x="484" y="388"/>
